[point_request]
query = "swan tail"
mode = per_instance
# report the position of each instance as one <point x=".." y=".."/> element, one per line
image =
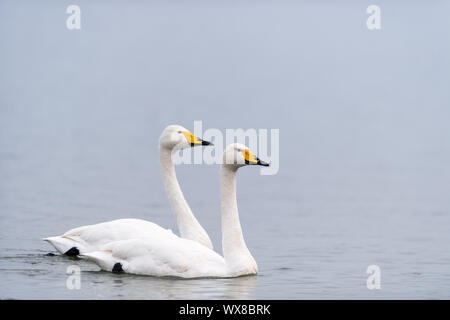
<point x="64" y="245"/>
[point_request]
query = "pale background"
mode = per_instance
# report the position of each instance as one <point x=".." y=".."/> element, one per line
<point x="364" y="140"/>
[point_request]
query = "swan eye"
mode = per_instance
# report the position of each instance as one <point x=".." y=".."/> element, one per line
<point x="179" y="131"/>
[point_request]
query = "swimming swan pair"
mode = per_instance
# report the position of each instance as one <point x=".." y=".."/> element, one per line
<point x="141" y="247"/>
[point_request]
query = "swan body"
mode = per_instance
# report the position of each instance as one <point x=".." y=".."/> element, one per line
<point x="170" y="255"/>
<point x="90" y="238"/>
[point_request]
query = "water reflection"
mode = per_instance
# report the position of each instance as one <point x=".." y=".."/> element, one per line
<point x="126" y="286"/>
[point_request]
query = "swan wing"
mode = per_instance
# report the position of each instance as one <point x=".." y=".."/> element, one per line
<point x="91" y="237"/>
<point x="166" y="255"/>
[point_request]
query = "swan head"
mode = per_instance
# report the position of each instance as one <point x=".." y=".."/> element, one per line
<point x="176" y="137"/>
<point x="238" y="155"/>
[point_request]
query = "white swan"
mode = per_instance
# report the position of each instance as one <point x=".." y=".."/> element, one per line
<point x="169" y="255"/>
<point x="92" y="237"/>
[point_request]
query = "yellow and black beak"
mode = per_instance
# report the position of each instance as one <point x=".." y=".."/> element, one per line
<point x="251" y="159"/>
<point x="194" y="140"/>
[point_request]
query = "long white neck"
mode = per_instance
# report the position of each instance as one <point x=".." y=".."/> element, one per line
<point x="237" y="256"/>
<point x="188" y="225"/>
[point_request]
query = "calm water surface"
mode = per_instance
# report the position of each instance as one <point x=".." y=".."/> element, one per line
<point x="364" y="142"/>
